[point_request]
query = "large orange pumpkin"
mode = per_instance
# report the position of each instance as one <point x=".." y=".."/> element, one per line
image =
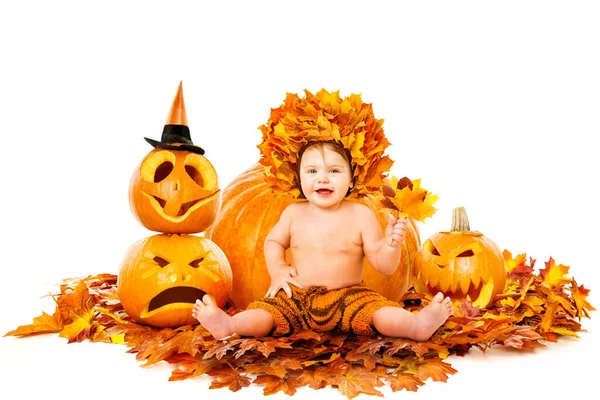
<point x="161" y="277"/>
<point x="461" y="264"/>
<point x="249" y="211"/>
<point x="174" y="191"/>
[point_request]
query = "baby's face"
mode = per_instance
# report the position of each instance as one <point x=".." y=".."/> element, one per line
<point x="325" y="176"/>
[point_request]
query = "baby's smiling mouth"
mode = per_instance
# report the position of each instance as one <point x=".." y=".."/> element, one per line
<point x="324" y="191"/>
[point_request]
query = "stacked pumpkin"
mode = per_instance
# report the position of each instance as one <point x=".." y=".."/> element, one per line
<point x="174" y="191"/>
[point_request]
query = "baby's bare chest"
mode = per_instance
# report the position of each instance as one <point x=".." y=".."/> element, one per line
<point x="340" y="234"/>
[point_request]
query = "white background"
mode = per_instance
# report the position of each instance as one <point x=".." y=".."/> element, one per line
<point x="494" y="105"/>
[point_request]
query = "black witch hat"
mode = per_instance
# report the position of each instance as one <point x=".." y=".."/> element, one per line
<point x="176" y="133"/>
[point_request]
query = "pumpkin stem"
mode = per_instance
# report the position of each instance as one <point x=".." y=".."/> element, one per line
<point x="460" y="221"/>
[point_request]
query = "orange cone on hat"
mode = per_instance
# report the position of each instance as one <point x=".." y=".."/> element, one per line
<point x="176" y="133"/>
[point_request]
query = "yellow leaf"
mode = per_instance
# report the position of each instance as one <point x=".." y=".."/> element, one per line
<point x="554" y="275"/>
<point x="79" y="328"/>
<point x="410" y="199"/>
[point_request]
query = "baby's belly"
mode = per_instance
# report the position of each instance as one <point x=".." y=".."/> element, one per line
<point x="330" y="275"/>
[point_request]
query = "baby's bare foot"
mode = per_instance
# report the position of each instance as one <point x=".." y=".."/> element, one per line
<point x="430" y="318"/>
<point x="212" y="318"/>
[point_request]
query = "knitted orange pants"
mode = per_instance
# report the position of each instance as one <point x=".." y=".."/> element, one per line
<point x="347" y="309"/>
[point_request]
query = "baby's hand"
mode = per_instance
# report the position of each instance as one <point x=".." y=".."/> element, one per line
<point x="395" y="232"/>
<point x="282" y="280"/>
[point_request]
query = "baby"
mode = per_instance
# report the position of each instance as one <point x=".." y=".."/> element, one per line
<point x="322" y="289"/>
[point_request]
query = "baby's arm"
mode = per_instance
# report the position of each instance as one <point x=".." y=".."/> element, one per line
<point x="276" y="242"/>
<point x="382" y="252"/>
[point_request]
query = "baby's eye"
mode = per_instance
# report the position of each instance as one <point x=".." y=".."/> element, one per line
<point x="311" y="171"/>
<point x="334" y="171"/>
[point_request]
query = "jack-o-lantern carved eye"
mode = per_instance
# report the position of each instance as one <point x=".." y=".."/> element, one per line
<point x="200" y="170"/>
<point x="196" y="263"/>
<point x="468" y="250"/>
<point x="430" y="248"/>
<point x="160" y="261"/>
<point x="157" y="166"/>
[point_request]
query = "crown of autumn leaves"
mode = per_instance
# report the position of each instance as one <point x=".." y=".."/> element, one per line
<point x="324" y="116"/>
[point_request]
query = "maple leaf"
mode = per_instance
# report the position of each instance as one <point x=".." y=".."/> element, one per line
<point x="409" y="199"/>
<point x="466" y="309"/>
<point x="183" y="342"/>
<point x="218" y="349"/>
<point x="434" y="369"/>
<point x="517" y="268"/>
<point x="522" y="337"/>
<point x="554" y="275"/>
<point x="265" y="346"/>
<point x="278" y="367"/>
<point x="74" y="299"/>
<point x="357" y="380"/>
<point x="45" y="323"/>
<point x="403" y="380"/>
<point x="189" y="366"/>
<point x="274" y="384"/>
<point x="332" y="358"/>
<point x="226" y="376"/>
<point x="81" y="328"/>
<point x="314" y="377"/>
<point x="370" y="361"/>
<point x="580" y="295"/>
<point x="372" y="346"/>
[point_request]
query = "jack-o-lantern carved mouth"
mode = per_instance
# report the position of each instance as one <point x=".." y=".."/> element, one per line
<point x="177" y="294"/>
<point x="465" y="288"/>
<point x="183" y="211"/>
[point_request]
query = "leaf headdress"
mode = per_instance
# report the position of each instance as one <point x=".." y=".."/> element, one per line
<point x="324" y="116"/>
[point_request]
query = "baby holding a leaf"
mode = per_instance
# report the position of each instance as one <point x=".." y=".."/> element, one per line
<point x="322" y="287"/>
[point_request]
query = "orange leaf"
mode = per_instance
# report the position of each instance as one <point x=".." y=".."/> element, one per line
<point x="45" y="323"/>
<point x="274" y="384"/>
<point x="225" y="376"/>
<point x="580" y="295"/>
<point x="81" y="328"/>
<point x="357" y="380"/>
<point x="435" y="369"/>
<point x="553" y="274"/>
<point x="410" y="199"/>
<point x="278" y="367"/>
<point x="403" y="380"/>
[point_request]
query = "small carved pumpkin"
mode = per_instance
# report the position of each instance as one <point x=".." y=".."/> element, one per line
<point x="461" y="264"/>
<point x="175" y="191"/>
<point x="250" y="210"/>
<point x="161" y="277"/>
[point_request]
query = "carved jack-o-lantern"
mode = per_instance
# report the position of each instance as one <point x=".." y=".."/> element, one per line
<point x="161" y="277"/>
<point x="175" y="192"/>
<point x="175" y="189"/>
<point x="461" y="264"/>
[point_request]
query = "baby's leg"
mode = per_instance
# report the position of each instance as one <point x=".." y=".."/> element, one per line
<point x="397" y="322"/>
<point x="255" y="322"/>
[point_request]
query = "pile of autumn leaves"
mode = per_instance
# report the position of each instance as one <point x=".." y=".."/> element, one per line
<point x="534" y="308"/>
